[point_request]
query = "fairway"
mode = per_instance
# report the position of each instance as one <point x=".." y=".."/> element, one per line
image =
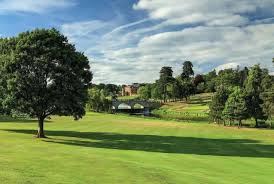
<point x="104" y="148"/>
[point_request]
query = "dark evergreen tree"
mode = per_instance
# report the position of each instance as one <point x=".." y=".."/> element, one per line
<point x="268" y="105"/>
<point x="254" y="90"/>
<point x="217" y="104"/>
<point x="187" y="70"/>
<point x="166" y="77"/>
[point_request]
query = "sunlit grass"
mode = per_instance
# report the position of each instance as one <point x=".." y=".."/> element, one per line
<point x="104" y="148"/>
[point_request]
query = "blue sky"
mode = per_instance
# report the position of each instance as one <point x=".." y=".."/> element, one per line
<point x="130" y="40"/>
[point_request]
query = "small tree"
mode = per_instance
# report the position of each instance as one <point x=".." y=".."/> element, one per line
<point x="47" y="76"/>
<point x="217" y="104"/>
<point x="235" y="106"/>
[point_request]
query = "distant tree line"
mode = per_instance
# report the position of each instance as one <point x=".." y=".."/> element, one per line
<point x="169" y="88"/>
<point x="100" y="97"/>
<point x="239" y="94"/>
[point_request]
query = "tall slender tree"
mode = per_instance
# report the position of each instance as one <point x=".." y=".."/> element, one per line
<point x="166" y="77"/>
<point x="217" y="104"/>
<point x="254" y="89"/>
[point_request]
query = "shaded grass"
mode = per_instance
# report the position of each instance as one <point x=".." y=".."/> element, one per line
<point x="104" y="148"/>
<point x="162" y="144"/>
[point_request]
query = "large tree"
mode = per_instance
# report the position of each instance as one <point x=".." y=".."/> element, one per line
<point x="187" y="70"/>
<point x="254" y="90"/>
<point x="47" y="76"/>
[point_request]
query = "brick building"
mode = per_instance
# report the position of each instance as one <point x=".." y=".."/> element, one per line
<point x="129" y="90"/>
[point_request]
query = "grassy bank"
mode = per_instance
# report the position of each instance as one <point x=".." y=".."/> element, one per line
<point x="196" y="108"/>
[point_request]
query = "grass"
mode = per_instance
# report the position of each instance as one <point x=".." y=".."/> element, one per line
<point x="196" y="108"/>
<point x="128" y="97"/>
<point x="114" y="149"/>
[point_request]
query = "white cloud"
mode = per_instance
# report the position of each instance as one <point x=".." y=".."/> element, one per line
<point x="34" y="6"/>
<point x="227" y="66"/>
<point x="221" y="36"/>
<point x="224" y="47"/>
<point x="212" y="12"/>
<point x="84" y="28"/>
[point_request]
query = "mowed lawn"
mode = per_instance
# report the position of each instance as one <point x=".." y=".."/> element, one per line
<point x="114" y="149"/>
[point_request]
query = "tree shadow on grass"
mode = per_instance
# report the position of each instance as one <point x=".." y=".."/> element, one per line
<point x="161" y="144"/>
<point x="14" y="120"/>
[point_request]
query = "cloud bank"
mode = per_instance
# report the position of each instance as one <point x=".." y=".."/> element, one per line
<point x="210" y="33"/>
<point x="34" y="6"/>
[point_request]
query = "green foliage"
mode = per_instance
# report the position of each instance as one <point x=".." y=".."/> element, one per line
<point x="187" y="70"/>
<point x="97" y="101"/>
<point x="166" y="79"/>
<point x="6" y="55"/>
<point x="217" y="104"/>
<point x="268" y="105"/>
<point x="227" y="78"/>
<point x="254" y="89"/>
<point x="45" y="75"/>
<point x="235" y="106"/>
<point x="156" y="91"/>
<point x="109" y="89"/>
<point x="145" y="92"/>
<point x="210" y="81"/>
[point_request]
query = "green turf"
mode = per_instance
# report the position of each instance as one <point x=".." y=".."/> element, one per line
<point x="119" y="149"/>
<point x="196" y="108"/>
<point x="132" y="97"/>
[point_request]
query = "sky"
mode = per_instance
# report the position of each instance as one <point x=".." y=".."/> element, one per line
<point x="129" y="41"/>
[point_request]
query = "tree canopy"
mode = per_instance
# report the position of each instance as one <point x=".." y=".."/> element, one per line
<point x="45" y="75"/>
<point x="187" y="70"/>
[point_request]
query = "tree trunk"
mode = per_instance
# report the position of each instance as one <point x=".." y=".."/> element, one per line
<point x="240" y="124"/>
<point x="40" y="133"/>
<point x="256" y="121"/>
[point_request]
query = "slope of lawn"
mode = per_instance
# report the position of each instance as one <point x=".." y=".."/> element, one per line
<point x="196" y="108"/>
<point x="132" y="97"/>
<point x="120" y="149"/>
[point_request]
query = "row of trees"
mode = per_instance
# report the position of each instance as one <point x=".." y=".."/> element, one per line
<point x="237" y="100"/>
<point x="42" y="74"/>
<point x="168" y="87"/>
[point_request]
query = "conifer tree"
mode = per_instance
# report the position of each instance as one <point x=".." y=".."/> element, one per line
<point x="235" y="106"/>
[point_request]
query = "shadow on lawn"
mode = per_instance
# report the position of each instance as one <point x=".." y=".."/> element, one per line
<point x="13" y="120"/>
<point x="162" y="144"/>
